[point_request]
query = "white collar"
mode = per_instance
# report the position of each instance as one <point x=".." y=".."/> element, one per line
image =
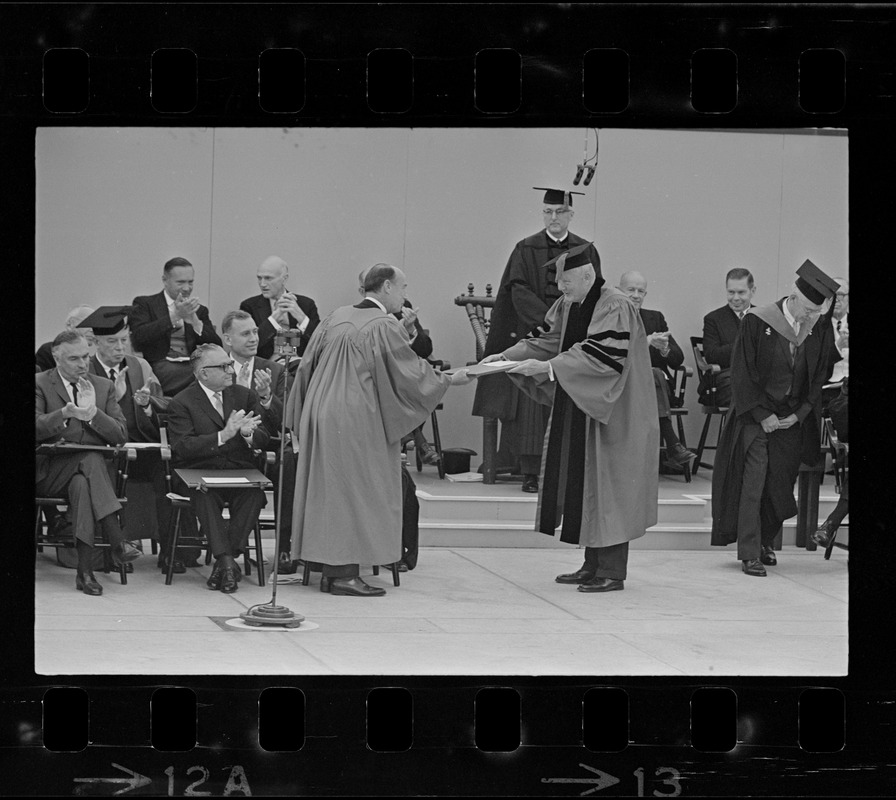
<point x="785" y="307"/>
<point x="374" y="300"/>
<point x="558" y="241"/>
<point x="237" y="366"/>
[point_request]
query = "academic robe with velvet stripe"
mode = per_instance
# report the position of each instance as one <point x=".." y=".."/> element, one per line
<point x="607" y="377"/>
<point x="762" y="370"/>
<point x="358" y="390"/>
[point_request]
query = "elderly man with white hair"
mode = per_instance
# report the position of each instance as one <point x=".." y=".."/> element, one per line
<point x="277" y="309"/>
<point x="44" y="355"/>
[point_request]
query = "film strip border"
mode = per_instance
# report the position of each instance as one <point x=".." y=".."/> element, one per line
<point x="650" y="740"/>
<point x="554" y="63"/>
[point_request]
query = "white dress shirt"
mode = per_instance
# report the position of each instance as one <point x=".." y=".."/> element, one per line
<point x="211" y="398"/>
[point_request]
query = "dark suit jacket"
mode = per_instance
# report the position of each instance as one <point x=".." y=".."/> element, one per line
<point x="655" y="322"/>
<point x="422" y="344"/>
<point x="141" y="427"/>
<point x="193" y="425"/>
<point x="107" y="427"/>
<point x="272" y="416"/>
<point x="260" y="309"/>
<point x="720" y="328"/>
<point x="151" y="328"/>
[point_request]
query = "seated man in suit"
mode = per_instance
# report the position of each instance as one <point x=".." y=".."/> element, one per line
<point x="665" y="355"/>
<point x="167" y="327"/>
<point x="268" y="380"/>
<point x="720" y="328"/>
<point x="276" y="309"/>
<point x="216" y="424"/>
<point x="44" y="355"/>
<point x="75" y="406"/>
<point x="139" y="395"/>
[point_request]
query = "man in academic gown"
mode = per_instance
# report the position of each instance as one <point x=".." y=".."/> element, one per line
<point x="599" y="467"/>
<point x="359" y="389"/>
<point x="779" y="363"/>
<point x="74" y="406"/>
<point x="139" y="395"/>
<point x="528" y="289"/>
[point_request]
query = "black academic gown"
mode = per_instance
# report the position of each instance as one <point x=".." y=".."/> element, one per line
<point x="762" y="370"/>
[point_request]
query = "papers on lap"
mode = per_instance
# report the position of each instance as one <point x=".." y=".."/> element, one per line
<point x="485" y="369"/>
<point x="464" y="477"/>
<point x="235" y="479"/>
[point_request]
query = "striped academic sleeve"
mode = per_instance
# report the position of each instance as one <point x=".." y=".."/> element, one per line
<point x="609" y="348"/>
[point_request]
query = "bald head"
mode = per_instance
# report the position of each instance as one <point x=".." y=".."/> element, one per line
<point x="272" y="275"/>
<point x="633" y="284"/>
<point x="76" y="315"/>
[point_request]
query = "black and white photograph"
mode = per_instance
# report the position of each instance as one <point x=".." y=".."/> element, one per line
<point x="519" y="401"/>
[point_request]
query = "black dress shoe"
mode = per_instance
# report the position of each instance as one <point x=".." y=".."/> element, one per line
<point x="823" y="535"/>
<point x="753" y="566"/>
<point x="229" y="580"/>
<point x="88" y="584"/>
<point x="768" y="556"/>
<point x="214" y="580"/>
<point x="286" y="565"/>
<point x="179" y="568"/>
<point x="354" y="587"/>
<point x="582" y="575"/>
<point x="530" y="484"/>
<point x="602" y="585"/>
<point x="124" y="553"/>
<point x="678" y="457"/>
<point x="128" y="569"/>
<point x="428" y="455"/>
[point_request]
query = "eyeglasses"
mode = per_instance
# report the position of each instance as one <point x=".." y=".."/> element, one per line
<point x="227" y="367"/>
<point x="842" y="294"/>
<point x="550" y="212"/>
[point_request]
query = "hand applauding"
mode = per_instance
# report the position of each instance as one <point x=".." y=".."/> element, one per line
<point x="121" y="384"/>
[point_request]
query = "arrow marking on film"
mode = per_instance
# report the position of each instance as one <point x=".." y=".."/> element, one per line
<point x="134" y="782"/>
<point x="602" y="781"/>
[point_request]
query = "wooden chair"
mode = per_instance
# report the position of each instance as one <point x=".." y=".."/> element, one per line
<point x="478" y="310"/>
<point x="708" y="373"/>
<point x="181" y="504"/>
<point x="436" y="437"/>
<point x="840" y="457"/>
<point x="44" y="516"/>
<point x="680" y="377"/>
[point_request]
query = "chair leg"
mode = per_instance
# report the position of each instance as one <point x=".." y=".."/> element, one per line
<point x="396" y="581"/>
<point x="376" y="569"/>
<point x="173" y="535"/>
<point x="154" y="546"/>
<point x="701" y="445"/>
<point x="260" y="555"/>
<point x="306" y="574"/>
<point x="437" y="443"/>
<point x="829" y="549"/>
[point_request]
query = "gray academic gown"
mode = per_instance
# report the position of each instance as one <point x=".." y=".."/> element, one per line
<point x="608" y="377"/>
<point x="359" y="389"/>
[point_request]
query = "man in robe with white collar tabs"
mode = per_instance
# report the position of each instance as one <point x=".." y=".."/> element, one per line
<point x="779" y="364"/>
<point x="591" y="365"/>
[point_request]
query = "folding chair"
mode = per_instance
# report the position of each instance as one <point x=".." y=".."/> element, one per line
<point x="708" y="373"/>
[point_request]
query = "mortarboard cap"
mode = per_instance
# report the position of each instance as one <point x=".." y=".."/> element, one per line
<point x="557" y="197"/>
<point x="814" y="284"/>
<point x="106" y="320"/>
<point x="577" y="256"/>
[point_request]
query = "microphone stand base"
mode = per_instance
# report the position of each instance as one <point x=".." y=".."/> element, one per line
<point x="268" y="614"/>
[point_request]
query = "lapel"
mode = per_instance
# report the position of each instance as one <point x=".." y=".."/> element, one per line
<point x="229" y="401"/>
<point x="205" y="404"/>
<point x="59" y="385"/>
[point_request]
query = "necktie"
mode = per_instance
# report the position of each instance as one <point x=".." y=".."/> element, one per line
<point x="243" y="377"/>
<point x="219" y="404"/>
<point x="838" y="325"/>
<point x="75" y="392"/>
<point x="740" y="315"/>
<point x="112" y="374"/>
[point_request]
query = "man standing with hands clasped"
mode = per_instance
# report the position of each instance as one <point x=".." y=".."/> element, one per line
<point x="592" y="367"/>
<point x="779" y="363"/>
